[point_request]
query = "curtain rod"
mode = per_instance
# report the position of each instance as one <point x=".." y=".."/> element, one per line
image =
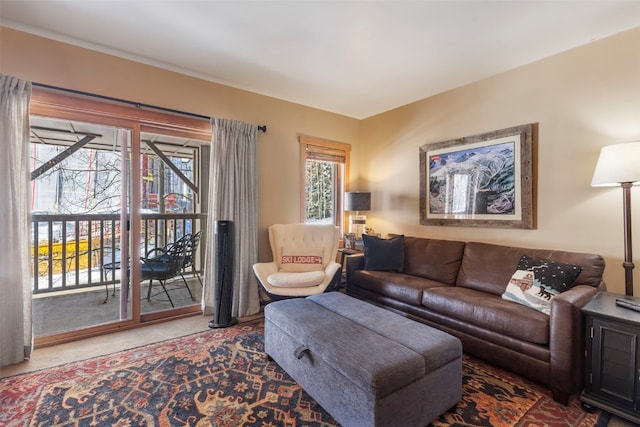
<point x="262" y="128"/>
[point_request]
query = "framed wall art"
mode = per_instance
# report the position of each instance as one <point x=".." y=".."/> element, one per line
<point x="485" y="180"/>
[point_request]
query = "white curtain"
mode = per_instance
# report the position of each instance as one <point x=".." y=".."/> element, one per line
<point x="233" y="196"/>
<point x="16" y="337"/>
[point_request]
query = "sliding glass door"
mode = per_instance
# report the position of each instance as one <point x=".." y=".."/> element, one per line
<point x="80" y="206"/>
<point x="169" y="206"/>
<point x="115" y="192"/>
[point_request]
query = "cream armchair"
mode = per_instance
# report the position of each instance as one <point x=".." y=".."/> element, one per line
<point x="304" y="260"/>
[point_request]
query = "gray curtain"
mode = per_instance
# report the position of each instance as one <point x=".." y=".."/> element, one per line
<point x="16" y="331"/>
<point x="233" y="196"/>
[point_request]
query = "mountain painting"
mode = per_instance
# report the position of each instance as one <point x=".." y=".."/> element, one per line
<point x="474" y="181"/>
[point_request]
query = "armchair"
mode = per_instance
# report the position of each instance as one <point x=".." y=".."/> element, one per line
<point x="304" y="260"/>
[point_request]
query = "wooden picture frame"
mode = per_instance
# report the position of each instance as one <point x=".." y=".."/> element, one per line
<point x="484" y="180"/>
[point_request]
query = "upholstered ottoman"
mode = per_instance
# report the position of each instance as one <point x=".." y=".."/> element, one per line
<point x="365" y="365"/>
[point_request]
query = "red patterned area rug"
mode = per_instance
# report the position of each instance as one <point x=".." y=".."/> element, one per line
<point x="223" y="378"/>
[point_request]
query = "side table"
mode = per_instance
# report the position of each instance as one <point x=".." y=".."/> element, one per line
<point x="612" y="350"/>
<point x="344" y="252"/>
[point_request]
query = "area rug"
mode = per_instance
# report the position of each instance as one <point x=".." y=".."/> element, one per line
<point x="223" y="378"/>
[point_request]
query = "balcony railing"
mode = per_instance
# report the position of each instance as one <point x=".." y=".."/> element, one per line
<point x="68" y="251"/>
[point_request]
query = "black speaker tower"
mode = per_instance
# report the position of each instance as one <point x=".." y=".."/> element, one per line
<point x="224" y="276"/>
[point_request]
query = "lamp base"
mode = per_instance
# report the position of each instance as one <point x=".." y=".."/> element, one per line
<point x="628" y="277"/>
<point x="357" y="223"/>
<point x="628" y="257"/>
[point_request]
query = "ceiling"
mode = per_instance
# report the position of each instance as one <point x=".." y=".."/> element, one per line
<point x="356" y="58"/>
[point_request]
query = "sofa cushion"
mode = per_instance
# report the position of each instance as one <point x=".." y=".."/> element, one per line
<point x="433" y="258"/>
<point x="399" y="286"/>
<point x="383" y="254"/>
<point x="304" y="279"/>
<point x="487" y="267"/>
<point x="490" y="312"/>
<point x="536" y="282"/>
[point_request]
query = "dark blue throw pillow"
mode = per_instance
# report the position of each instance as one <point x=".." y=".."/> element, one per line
<point x="383" y="254"/>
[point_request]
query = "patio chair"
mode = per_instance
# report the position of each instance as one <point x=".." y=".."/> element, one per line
<point x="162" y="264"/>
<point x="190" y="253"/>
<point x="304" y="261"/>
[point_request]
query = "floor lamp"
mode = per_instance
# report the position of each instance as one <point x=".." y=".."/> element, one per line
<point x="619" y="164"/>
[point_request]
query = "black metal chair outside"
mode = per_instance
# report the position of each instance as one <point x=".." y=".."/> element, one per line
<point x="162" y="264"/>
<point x="192" y="248"/>
<point x="110" y="267"/>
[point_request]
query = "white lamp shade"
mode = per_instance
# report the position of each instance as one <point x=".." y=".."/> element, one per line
<point x="617" y="164"/>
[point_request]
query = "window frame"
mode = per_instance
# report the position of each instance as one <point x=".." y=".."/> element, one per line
<point x="312" y="147"/>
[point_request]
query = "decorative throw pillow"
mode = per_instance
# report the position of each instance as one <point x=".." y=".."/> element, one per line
<point x="383" y="254"/>
<point x="549" y="273"/>
<point x="536" y="282"/>
<point x="301" y="259"/>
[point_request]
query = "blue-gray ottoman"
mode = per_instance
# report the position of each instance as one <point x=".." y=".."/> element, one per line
<point x="365" y="365"/>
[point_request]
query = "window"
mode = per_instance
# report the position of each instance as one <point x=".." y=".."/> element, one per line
<point x="325" y="166"/>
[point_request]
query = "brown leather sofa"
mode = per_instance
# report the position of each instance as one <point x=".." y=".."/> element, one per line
<point x="457" y="286"/>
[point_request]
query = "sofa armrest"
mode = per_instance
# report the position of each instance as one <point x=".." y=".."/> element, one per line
<point x="354" y="262"/>
<point x="566" y="340"/>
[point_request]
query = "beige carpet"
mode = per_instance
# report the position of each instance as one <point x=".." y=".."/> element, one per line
<point x="96" y="346"/>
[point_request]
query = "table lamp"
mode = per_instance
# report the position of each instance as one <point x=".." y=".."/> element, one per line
<point x="619" y="164"/>
<point x="356" y="201"/>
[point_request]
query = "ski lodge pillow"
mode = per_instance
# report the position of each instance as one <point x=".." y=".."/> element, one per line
<point x="537" y="281"/>
<point x="301" y="259"/>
